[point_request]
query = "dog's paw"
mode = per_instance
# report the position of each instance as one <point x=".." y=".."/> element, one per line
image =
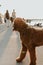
<point x="32" y="63"/>
<point x="18" y="59"/>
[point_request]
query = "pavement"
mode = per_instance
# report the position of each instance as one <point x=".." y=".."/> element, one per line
<point x="10" y="46"/>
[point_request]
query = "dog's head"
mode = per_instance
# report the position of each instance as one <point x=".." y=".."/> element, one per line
<point x="19" y="24"/>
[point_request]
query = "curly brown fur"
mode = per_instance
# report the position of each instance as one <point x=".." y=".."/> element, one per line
<point x="31" y="38"/>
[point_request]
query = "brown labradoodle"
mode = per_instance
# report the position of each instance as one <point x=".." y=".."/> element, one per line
<point x="31" y="38"/>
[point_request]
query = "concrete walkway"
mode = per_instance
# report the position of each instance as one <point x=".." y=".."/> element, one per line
<point x="10" y="48"/>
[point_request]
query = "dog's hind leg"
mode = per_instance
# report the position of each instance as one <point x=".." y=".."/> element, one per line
<point x="32" y="56"/>
<point x="23" y="54"/>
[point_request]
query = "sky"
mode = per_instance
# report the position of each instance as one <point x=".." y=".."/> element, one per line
<point x="23" y="8"/>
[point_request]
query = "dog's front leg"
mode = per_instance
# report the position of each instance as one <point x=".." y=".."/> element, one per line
<point x="23" y="54"/>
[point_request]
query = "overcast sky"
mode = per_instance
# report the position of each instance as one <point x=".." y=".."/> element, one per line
<point x="23" y="8"/>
